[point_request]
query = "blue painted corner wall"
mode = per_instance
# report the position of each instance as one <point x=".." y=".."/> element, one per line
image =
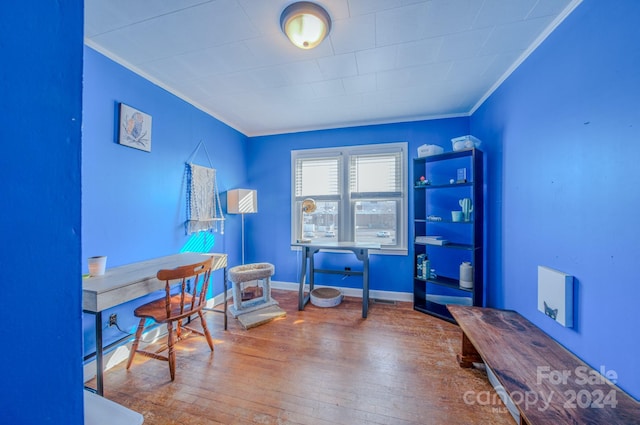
<point x="561" y="135"/>
<point x="269" y="171"/>
<point x="40" y="139"/>
<point x="134" y="202"/>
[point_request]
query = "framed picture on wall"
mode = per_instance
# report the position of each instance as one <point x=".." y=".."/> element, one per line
<point x="134" y="128"/>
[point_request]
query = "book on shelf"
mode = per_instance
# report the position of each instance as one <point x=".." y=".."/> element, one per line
<point x="431" y="240"/>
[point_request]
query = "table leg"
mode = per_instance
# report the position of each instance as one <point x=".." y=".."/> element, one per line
<point x="469" y="354"/>
<point x="303" y="277"/>
<point x="99" y="355"/>
<point x="312" y="271"/>
<point x="224" y="284"/>
<point x="365" y="286"/>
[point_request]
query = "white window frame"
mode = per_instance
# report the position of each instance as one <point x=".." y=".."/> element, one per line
<point x="346" y="229"/>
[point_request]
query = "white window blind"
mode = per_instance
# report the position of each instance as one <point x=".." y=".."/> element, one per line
<point x="317" y="177"/>
<point x="376" y="174"/>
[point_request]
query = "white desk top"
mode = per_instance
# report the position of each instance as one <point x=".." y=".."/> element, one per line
<point x="125" y="283"/>
<point x="100" y="411"/>
<point x="339" y="245"/>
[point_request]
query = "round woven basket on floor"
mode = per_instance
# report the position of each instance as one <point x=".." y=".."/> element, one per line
<point x="326" y="297"/>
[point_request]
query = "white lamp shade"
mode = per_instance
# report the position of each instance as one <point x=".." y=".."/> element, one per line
<point x="242" y="201"/>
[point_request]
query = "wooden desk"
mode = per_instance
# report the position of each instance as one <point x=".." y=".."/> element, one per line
<point x="361" y="251"/>
<point x="547" y="383"/>
<point x="125" y="283"/>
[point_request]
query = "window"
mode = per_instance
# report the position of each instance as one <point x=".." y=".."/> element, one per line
<point x="359" y="192"/>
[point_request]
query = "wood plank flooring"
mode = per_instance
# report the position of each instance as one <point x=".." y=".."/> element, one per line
<point x="318" y="366"/>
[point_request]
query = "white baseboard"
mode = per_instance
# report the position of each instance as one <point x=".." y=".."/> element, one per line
<point x="351" y="292"/>
<point x="121" y="353"/>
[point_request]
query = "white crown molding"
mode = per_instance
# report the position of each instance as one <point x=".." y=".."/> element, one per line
<point x="536" y="43"/>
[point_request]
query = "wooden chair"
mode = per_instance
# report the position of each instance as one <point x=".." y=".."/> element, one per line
<point x="181" y="301"/>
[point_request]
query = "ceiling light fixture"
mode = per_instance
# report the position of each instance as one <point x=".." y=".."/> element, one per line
<point x="305" y="23"/>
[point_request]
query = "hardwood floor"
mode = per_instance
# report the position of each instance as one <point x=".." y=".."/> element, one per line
<point x="317" y="366"/>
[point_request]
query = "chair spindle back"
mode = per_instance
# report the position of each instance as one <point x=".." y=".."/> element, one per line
<point x="194" y="282"/>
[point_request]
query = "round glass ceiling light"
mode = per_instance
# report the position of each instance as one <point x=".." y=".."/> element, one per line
<point x="305" y="23"/>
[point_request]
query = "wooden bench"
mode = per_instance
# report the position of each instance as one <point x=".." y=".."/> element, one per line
<point x="546" y="382"/>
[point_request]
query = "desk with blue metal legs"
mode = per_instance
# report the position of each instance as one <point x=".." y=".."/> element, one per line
<point x="361" y="251"/>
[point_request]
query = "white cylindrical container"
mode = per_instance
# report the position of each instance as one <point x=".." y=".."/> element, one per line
<point x="466" y="275"/>
<point x="97" y="265"/>
<point x="326" y="297"/>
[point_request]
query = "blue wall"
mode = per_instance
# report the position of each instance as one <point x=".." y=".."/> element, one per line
<point x="269" y="171"/>
<point x="41" y="90"/>
<point x="134" y="202"/>
<point x="563" y="137"/>
<point x="560" y="136"/>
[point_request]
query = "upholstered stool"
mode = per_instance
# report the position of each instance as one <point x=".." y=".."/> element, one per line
<point x="247" y="273"/>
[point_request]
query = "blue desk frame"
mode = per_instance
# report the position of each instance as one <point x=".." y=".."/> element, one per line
<point x="361" y="252"/>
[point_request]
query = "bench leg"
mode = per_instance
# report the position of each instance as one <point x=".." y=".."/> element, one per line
<point x="469" y="354"/>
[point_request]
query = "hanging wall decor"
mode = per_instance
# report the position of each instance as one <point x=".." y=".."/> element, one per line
<point x="204" y="211"/>
<point x="134" y="128"/>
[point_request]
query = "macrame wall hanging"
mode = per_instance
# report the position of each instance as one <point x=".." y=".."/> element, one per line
<point x="204" y="212"/>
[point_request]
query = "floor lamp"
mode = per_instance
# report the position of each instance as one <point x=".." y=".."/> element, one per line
<point x="242" y="201"/>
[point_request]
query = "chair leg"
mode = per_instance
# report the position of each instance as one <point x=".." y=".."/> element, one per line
<point x="172" y="354"/>
<point x="134" y="347"/>
<point x="205" y="329"/>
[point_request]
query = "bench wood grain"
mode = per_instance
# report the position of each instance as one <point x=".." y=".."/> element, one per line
<point x="548" y="384"/>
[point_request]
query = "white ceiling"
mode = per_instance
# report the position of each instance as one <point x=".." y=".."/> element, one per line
<point x="384" y="61"/>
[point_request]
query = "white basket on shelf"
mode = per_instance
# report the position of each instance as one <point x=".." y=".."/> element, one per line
<point x="428" y="150"/>
<point x="465" y="142"/>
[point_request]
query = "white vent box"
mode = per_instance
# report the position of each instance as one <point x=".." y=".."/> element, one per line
<point x="555" y="295"/>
